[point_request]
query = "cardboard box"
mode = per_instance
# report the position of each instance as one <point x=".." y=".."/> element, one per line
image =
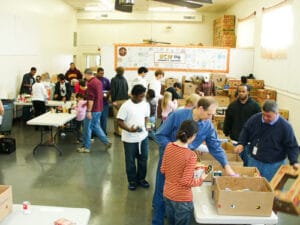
<point x="218" y="121"/>
<point x="189" y="88"/>
<point x="233" y="159"/>
<point x="284" y="113"/>
<point x="287" y="200"/>
<point x="219" y="80"/>
<point x="6" y="201"/>
<point x="243" y="196"/>
<point x="233" y="83"/>
<point x="242" y="171"/>
<point x="266" y="94"/>
<point x="169" y="82"/>
<point x="223" y="101"/>
<point x="256" y="83"/>
<point x="228" y="147"/>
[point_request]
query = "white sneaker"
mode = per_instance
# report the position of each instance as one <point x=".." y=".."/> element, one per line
<point x="92" y="140"/>
<point x="83" y="150"/>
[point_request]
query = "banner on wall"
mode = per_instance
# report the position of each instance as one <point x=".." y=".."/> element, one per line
<point x="173" y="58"/>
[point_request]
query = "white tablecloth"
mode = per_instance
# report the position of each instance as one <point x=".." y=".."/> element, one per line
<point x="205" y="211"/>
<point x="52" y="119"/>
<point x="46" y="215"/>
<point x="50" y="103"/>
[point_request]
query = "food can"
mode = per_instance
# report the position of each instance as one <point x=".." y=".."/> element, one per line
<point x="26" y="208"/>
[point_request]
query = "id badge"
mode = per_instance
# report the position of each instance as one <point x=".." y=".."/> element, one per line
<point x="254" y="151"/>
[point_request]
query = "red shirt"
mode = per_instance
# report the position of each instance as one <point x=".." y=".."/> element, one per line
<point x="94" y="93"/>
<point x="178" y="165"/>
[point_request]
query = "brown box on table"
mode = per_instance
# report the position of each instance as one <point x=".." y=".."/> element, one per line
<point x="287" y="200"/>
<point x="169" y="82"/>
<point x="223" y="101"/>
<point x="266" y="94"/>
<point x="256" y="83"/>
<point x="284" y="113"/>
<point x="6" y="201"/>
<point x="243" y="196"/>
<point x="219" y="80"/>
<point x="234" y="83"/>
<point x="189" y="88"/>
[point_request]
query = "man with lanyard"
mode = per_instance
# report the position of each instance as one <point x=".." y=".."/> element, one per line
<point x="271" y="140"/>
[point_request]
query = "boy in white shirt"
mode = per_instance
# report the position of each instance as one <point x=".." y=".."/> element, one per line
<point x="140" y="79"/>
<point x="132" y="118"/>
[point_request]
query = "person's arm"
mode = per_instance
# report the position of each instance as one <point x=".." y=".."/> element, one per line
<point x="1" y="108"/>
<point x="164" y="132"/>
<point x="244" y="137"/>
<point x="291" y="146"/>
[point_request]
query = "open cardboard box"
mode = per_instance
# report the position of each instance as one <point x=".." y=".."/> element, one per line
<point x="243" y="196"/>
<point x="287" y="199"/>
<point x="206" y="159"/>
<point x="5" y="201"/>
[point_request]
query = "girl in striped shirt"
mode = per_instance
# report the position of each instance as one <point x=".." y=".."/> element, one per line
<point x="178" y="166"/>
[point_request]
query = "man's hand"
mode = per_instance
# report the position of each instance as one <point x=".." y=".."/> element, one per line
<point x="296" y="166"/>
<point x="229" y="171"/>
<point x="89" y="115"/>
<point x="239" y="149"/>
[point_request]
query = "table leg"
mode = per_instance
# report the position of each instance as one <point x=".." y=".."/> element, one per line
<point x="51" y="143"/>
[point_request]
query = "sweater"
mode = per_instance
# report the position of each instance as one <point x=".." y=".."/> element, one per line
<point x="274" y="142"/>
<point x="167" y="133"/>
<point x="178" y="165"/>
<point x="237" y="115"/>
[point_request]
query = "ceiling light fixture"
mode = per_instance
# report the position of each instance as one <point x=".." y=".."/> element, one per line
<point x="170" y="9"/>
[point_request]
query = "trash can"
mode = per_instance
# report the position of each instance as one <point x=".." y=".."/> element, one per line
<point x="7" y="119"/>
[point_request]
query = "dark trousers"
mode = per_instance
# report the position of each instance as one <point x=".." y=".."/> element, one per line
<point x="39" y="107"/>
<point x="78" y="126"/>
<point x="136" y="173"/>
<point x="179" y="213"/>
<point x="104" y="117"/>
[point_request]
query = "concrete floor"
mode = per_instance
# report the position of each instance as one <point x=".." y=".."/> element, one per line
<point x="96" y="181"/>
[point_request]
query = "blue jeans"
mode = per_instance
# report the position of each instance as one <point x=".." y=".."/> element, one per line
<point x="158" y="198"/>
<point x="179" y="213"/>
<point x="104" y="117"/>
<point x="93" y="125"/>
<point x="267" y="170"/>
<point x="131" y="153"/>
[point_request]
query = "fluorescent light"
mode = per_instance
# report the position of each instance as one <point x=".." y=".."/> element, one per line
<point x="170" y="9"/>
<point x="98" y="8"/>
<point x="194" y="2"/>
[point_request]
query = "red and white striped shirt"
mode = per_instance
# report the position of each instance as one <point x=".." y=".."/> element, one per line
<point x="178" y="165"/>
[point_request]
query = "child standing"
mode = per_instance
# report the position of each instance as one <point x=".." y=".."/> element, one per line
<point x="152" y="101"/>
<point x="167" y="105"/>
<point x="81" y="111"/>
<point x="178" y="166"/>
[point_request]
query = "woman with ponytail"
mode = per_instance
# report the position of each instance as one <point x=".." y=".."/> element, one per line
<point x="178" y="166"/>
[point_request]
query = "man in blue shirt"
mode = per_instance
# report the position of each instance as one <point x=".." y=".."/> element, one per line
<point x="203" y="113"/>
<point x="271" y="139"/>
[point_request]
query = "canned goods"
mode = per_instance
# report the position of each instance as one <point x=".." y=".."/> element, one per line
<point x="26" y="207"/>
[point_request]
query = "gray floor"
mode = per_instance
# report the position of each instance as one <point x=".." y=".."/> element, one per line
<point x="96" y="181"/>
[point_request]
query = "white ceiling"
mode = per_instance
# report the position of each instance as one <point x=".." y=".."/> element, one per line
<point x="143" y="5"/>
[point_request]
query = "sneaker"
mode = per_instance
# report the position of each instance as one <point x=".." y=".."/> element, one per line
<point x="92" y="140"/>
<point x="132" y="186"/>
<point x="62" y="134"/>
<point x="144" y="184"/>
<point x="78" y="141"/>
<point x="108" y="144"/>
<point x="83" y="150"/>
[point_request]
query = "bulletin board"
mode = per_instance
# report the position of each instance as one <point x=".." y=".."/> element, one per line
<point x="173" y="58"/>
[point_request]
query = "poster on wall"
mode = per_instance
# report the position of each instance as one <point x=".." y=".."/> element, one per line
<point x="173" y="58"/>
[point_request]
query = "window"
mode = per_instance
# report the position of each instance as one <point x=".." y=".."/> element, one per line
<point x="277" y="30"/>
<point x="245" y="33"/>
<point x="92" y="60"/>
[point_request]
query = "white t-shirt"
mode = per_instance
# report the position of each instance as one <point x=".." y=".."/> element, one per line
<point x="139" y="80"/>
<point x="134" y="115"/>
<point x="39" y="92"/>
<point x="156" y="86"/>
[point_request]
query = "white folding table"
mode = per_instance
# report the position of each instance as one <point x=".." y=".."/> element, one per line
<point x="51" y="120"/>
<point x="44" y="215"/>
<point x="50" y="103"/>
<point x="205" y="211"/>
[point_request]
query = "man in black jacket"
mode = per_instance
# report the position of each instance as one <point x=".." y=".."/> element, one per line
<point x="237" y="113"/>
<point x="119" y="94"/>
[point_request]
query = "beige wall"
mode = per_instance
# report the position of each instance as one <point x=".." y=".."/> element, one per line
<point x="34" y="33"/>
<point x="280" y="74"/>
<point x="94" y="34"/>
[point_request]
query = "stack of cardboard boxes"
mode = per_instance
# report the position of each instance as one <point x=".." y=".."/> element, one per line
<point x="224" y="31"/>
